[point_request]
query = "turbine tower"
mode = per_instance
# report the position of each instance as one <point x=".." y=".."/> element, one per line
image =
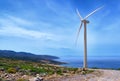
<point x="85" y="22"/>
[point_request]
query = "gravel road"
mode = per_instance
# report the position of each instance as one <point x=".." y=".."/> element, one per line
<point x="98" y="75"/>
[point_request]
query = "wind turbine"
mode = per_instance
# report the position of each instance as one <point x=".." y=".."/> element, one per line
<point x="85" y="22"/>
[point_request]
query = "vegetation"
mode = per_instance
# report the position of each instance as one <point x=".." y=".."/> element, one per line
<point x="13" y="66"/>
<point x="11" y="70"/>
<point x="29" y="68"/>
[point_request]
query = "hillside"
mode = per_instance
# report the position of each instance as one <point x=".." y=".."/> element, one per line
<point x="29" y="57"/>
<point x="19" y="70"/>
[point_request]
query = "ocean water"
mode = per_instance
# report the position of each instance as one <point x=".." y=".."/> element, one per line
<point x="99" y="62"/>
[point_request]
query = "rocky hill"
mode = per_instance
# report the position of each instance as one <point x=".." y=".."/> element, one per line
<point x="29" y="57"/>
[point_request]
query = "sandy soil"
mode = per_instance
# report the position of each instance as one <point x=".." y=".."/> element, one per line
<point x="98" y="75"/>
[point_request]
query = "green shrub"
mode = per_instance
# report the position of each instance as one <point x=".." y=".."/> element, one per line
<point x="11" y="70"/>
<point x="59" y="72"/>
<point x="38" y="70"/>
<point x="50" y="72"/>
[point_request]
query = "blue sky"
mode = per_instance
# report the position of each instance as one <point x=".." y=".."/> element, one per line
<point x="50" y="27"/>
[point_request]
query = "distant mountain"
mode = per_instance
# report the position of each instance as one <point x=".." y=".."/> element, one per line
<point x="29" y="57"/>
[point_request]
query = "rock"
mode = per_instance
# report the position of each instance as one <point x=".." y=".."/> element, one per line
<point x="38" y="78"/>
<point x="43" y="74"/>
<point x="24" y="76"/>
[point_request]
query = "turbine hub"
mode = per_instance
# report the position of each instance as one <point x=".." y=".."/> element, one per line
<point x="85" y="21"/>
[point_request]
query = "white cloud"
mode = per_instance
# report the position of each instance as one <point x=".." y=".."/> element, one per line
<point x="19" y="20"/>
<point x="14" y="21"/>
<point x="10" y="27"/>
<point x="21" y="32"/>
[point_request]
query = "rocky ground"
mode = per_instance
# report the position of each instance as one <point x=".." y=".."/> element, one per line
<point x="97" y="75"/>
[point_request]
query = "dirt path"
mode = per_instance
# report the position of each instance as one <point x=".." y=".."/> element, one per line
<point x="110" y="75"/>
<point x="98" y="75"/>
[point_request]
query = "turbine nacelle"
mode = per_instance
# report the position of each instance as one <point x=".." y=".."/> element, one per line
<point x="85" y="21"/>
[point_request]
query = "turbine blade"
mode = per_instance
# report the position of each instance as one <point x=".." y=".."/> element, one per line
<point x="93" y="12"/>
<point x="78" y="32"/>
<point x="79" y="14"/>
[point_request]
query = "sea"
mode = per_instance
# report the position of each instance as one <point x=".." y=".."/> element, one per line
<point x="106" y="62"/>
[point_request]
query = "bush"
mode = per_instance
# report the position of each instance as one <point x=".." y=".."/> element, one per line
<point x="59" y="72"/>
<point x="11" y="70"/>
<point x="37" y="70"/>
